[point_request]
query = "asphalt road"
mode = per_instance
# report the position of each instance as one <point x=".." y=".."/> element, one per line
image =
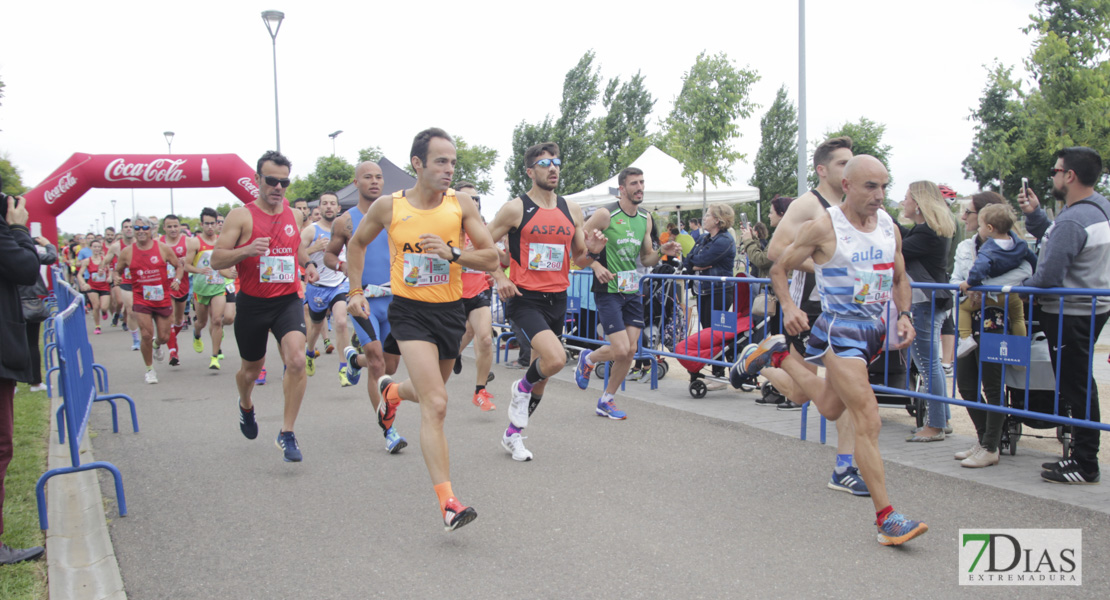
<point x="667" y="504"/>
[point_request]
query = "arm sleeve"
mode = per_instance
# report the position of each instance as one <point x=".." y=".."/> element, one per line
<point x="705" y="254"/>
<point x="21" y="262"/>
<point x="1068" y="238"/>
<point x="919" y="243"/>
<point x="757" y="255"/>
<point x="49" y="255"/>
<point x="980" y="269"/>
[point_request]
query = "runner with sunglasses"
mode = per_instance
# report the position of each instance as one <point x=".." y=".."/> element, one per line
<point x="147" y="259"/>
<point x="263" y="240"/>
<point x="545" y="234"/>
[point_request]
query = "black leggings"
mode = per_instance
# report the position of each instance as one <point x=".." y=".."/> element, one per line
<point x="36" y="355"/>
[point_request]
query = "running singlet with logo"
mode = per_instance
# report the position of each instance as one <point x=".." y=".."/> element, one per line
<point x="98" y="276"/>
<point x="858" y="280"/>
<point x="414" y="274"/>
<point x="124" y="279"/>
<point x="150" y="285"/>
<point x="275" y="273"/>
<point x="626" y="237"/>
<point x="212" y="284"/>
<point x="540" y="247"/>
<point x="328" y="277"/>
<point x="473" y="282"/>
<point x="180" y="251"/>
<point x="375" y="268"/>
<point x="803" y="288"/>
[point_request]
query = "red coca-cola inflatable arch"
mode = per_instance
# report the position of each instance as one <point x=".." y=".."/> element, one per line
<point x="85" y="171"/>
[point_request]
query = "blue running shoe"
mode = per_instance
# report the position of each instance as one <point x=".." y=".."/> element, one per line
<point x="608" y="409"/>
<point x="353" y="372"/>
<point x="247" y="424"/>
<point x="849" y="481"/>
<point x="897" y="530"/>
<point x="288" y="444"/>
<point x="394" y="443"/>
<point x="583" y="370"/>
<point x="136" y="345"/>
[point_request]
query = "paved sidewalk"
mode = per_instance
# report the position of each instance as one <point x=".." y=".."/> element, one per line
<point x="687" y="498"/>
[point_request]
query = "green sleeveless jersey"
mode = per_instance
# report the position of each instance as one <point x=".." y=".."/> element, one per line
<point x="626" y="237"/>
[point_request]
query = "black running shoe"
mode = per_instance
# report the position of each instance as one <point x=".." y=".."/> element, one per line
<point x="247" y="424"/>
<point x="458" y="365"/>
<point x="789" y="405"/>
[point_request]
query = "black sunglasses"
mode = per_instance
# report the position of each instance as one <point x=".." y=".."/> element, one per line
<point x="140" y="227"/>
<point x="274" y="181"/>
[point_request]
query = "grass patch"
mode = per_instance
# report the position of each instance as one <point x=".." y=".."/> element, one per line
<point x="26" y="580"/>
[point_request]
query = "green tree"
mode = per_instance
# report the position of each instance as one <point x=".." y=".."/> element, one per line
<point x="371" y="153"/>
<point x="1068" y="62"/>
<point x="776" y="162"/>
<point x="13" y="179"/>
<point x="475" y="164"/>
<point x="225" y="207"/>
<point x="624" y="130"/>
<point x="584" y="164"/>
<point x="576" y="132"/>
<point x="867" y="138"/>
<point x="702" y="125"/>
<point x="525" y="135"/>
<point x="332" y="174"/>
<point x="1000" y="133"/>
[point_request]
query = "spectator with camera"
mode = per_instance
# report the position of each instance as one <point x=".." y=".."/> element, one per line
<point x="19" y="267"/>
<point x="1075" y="253"/>
<point x="35" y="311"/>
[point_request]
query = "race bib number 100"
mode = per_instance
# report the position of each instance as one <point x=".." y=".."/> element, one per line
<point x="421" y="270"/>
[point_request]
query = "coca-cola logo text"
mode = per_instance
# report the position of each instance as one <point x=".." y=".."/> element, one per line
<point x="65" y="182"/>
<point x="248" y="184"/>
<point x="161" y="169"/>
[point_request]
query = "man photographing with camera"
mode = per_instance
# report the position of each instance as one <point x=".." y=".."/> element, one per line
<point x="20" y="267"/>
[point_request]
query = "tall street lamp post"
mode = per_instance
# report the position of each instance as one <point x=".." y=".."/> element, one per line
<point x="334" y="135"/>
<point x="169" y="144"/>
<point x="273" y="19"/>
<point x="114" y="212"/>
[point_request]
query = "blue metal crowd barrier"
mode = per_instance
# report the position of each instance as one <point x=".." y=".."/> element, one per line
<point x="68" y="295"/>
<point x="75" y="364"/>
<point x="1013" y="352"/>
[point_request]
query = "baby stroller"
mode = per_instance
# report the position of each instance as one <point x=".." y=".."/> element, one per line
<point x="666" y="322"/>
<point x="1041" y="390"/>
<point x="714" y="344"/>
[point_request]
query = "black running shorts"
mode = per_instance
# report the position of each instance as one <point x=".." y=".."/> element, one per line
<point x="441" y="323"/>
<point x="258" y="316"/>
<point x="534" y="312"/>
<point x="482" y="300"/>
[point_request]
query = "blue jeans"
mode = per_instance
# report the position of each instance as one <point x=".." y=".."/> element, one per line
<point x="925" y="351"/>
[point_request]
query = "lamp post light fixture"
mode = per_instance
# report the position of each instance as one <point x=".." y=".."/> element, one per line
<point x="113" y="212"/>
<point x="273" y="19"/>
<point x="334" y="135"/>
<point x="169" y="145"/>
<point x="103" y="220"/>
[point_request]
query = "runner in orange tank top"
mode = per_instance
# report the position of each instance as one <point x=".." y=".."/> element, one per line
<point x="545" y="233"/>
<point x="263" y="240"/>
<point x="425" y="225"/>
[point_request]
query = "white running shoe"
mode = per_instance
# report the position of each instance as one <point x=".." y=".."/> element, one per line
<point x="514" y="444"/>
<point x="151" y="376"/>
<point x="38" y="388"/>
<point x="518" y="406"/>
<point x="159" y="353"/>
<point x="965" y="346"/>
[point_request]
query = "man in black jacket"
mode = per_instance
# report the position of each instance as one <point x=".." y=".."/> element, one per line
<point x="19" y="267"/>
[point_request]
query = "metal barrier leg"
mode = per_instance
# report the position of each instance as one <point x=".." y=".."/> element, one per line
<point x="40" y="487"/>
<point x="50" y="388"/>
<point x="115" y="418"/>
<point x="824" y="423"/>
<point x="805" y="412"/>
<point x="134" y="417"/>
<point x="61" y="423"/>
<point x="101" y="376"/>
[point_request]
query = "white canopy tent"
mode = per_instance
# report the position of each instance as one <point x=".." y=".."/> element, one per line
<point x="665" y="187"/>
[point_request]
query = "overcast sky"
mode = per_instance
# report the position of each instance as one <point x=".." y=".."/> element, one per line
<point x="110" y="77"/>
